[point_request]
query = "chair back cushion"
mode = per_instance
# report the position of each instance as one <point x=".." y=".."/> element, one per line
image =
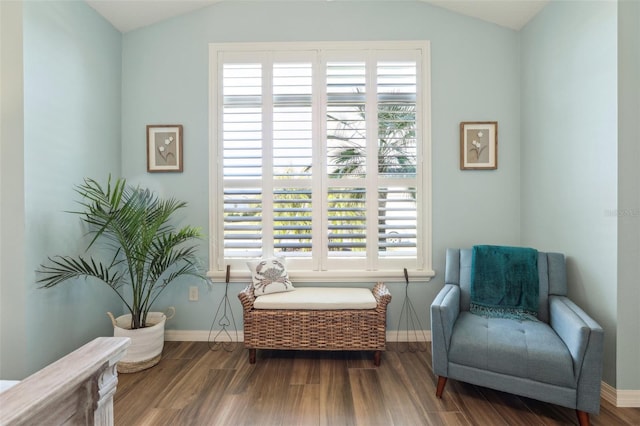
<point x="551" y="270"/>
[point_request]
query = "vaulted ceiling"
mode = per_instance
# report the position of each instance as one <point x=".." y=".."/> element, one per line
<point x="128" y="15"/>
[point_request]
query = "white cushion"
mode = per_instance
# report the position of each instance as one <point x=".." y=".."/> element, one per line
<point x="318" y="298"/>
<point x="269" y="276"/>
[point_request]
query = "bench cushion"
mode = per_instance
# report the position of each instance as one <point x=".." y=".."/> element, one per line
<point x="318" y="298"/>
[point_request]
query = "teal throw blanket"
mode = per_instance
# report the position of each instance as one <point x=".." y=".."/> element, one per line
<point x="504" y="282"/>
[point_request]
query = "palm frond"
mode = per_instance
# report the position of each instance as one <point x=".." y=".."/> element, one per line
<point x="149" y="253"/>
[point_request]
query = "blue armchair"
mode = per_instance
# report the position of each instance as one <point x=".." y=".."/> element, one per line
<point x="557" y="359"/>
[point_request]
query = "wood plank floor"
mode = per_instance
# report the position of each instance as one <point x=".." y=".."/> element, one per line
<point x="193" y="385"/>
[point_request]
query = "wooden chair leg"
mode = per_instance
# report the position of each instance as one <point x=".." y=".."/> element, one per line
<point x="376" y="358"/>
<point x="441" y="382"/>
<point x="583" y="418"/>
<point x="252" y="356"/>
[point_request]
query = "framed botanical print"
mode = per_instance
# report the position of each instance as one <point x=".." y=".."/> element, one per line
<point x="164" y="148"/>
<point x="479" y="145"/>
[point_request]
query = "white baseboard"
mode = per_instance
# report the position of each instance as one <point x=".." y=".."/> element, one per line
<point x="628" y="398"/>
<point x="608" y="393"/>
<point x="619" y="398"/>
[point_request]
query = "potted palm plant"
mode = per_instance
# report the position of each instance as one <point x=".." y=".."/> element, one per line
<point x="147" y="254"/>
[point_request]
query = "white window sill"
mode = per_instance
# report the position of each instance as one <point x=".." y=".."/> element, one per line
<point x="331" y="277"/>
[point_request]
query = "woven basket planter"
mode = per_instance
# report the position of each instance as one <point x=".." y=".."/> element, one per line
<point x="146" y="346"/>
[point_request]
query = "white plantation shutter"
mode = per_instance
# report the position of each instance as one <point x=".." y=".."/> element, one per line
<point x="397" y="158"/>
<point x="319" y="156"/>
<point x="347" y="159"/>
<point x="346" y="119"/>
<point x="292" y="158"/>
<point x="292" y="120"/>
<point x="242" y="159"/>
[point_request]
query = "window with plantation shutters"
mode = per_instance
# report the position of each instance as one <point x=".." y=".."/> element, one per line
<point x="320" y="153"/>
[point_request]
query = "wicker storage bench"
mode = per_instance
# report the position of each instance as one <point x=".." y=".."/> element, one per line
<point x="316" y="329"/>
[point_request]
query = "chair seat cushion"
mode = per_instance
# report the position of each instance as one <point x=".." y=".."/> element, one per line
<point x="318" y="298"/>
<point x="527" y="349"/>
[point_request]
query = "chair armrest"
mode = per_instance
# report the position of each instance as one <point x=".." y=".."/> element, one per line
<point x="382" y="296"/>
<point x="444" y="312"/>
<point x="585" y="339"/>
<point x="247" y="298"/>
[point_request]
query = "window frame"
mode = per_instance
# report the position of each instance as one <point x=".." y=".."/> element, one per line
<point x="422" y="269"/>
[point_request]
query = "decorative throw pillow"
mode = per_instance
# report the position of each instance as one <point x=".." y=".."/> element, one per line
<point x="269" y="275"/>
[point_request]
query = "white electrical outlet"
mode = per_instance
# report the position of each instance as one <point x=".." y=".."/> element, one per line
<point x="193" y="294"/>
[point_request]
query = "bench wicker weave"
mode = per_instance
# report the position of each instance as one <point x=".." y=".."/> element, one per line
<point x="326" y="330"/>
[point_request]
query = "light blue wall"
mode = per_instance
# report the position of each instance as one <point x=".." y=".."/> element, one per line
<point x="475" y="76"/>
<point x="569" y="142"/>
<point x="628" y="356"/>
<point x="72" y="69"/>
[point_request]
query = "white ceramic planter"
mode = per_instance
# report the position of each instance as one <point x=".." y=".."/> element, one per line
<point x="146" y="343"/>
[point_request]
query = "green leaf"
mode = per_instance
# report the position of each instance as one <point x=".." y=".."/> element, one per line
<point x="148" y="252"/>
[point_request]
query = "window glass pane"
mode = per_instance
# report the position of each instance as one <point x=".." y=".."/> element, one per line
<point x="396" y="94"/>
<point x="346" y="126"/>
<point x="292" y="120"/>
